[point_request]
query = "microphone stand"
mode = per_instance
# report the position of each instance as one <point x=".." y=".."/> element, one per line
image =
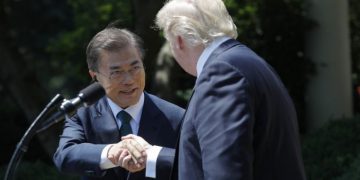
<point x="22" y="146"/>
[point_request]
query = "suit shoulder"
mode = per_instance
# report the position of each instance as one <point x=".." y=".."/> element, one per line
<point x="166" y="105"/>
<point x="168" y="111"/>
<point x="91" y="110"/>
<point x="161" y="103"/>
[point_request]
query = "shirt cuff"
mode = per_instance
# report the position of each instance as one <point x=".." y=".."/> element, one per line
<point x="105" y="163"/>
<point x="152" y="154"/>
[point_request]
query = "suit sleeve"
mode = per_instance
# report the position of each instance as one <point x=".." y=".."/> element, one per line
<point x="165" y="163"/>
<point x="224" y="123"/>
<point x="161" y="166"/>
<point x="74" y="154"/>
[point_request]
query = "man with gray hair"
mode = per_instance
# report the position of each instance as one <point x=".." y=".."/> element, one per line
<point x="241" y="122"/>
<point x="91" y="144"/>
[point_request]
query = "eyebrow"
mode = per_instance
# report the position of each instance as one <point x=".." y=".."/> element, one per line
<point x="135" y="62"/>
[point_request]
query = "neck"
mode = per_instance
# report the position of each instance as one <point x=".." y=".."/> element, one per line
<point x="196" y="53"/>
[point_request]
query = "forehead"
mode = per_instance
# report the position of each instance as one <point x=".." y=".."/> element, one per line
<point x="119" y="58"/>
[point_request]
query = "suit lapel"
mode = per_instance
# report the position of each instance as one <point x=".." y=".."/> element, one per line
<point x="107" y="129"/>
<point x="150" y="123"/>
<point x="105" y="123"/>
<point x="149" y="128"/>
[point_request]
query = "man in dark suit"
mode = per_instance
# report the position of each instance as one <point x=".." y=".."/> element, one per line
<point x="241" y="122"/>
<point x="91" y="143"/>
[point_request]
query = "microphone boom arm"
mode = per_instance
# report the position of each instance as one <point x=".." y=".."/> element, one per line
<point x="22" y="146"/>
<point x="85" y="98"/>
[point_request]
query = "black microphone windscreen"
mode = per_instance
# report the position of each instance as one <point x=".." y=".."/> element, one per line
<point x="92" y="93"/>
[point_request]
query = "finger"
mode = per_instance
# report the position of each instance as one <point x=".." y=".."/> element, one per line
<point x="136" y="167"/>
<point x="131" y="162"/>
<point x="125" y="162"/>
<point x="135" y="149"/>
<point x="112" y="156"/>
<point x="113" y="160"/>
<point x="134" y="160"/>
<point x="141" y="141"/>
<point x="122" y="156"/>
<point x="134" y="137"/>
<point x="129" y="136"/>
<point x="137" y="146"/>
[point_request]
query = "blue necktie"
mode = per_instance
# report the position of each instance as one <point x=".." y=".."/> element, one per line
<point x="125" y="119"/>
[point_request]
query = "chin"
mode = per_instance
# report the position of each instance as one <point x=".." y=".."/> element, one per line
<point x="129" y="100"/>
<point x="125" y="104"/>
<point x="193" y="73"/>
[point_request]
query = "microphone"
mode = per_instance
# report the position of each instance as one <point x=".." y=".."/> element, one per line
<point x="85" y="98"/>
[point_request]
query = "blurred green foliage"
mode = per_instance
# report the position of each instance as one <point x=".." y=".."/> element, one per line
<point x="67" y="49"/>
<point x="37" y="170"/>
<point x="353" y="172"/>
<point x="333" y="152"/>
<point x="354" y="15"/>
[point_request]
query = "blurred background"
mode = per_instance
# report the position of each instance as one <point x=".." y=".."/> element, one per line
<point x="314" y="45"/>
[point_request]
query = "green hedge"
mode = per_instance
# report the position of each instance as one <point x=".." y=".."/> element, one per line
<point x="353" y="172"/>
<point x="333" y="152"/>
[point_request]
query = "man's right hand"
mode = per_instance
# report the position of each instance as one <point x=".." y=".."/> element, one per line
<point x="136" y="149"/>
<point x="118" y="152"/>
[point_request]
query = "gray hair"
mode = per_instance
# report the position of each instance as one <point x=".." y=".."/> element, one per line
<point x="111" y="39"/>
<point x="197" y="21"/>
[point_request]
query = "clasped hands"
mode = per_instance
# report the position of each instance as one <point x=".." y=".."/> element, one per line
<point x="129" y="153"/>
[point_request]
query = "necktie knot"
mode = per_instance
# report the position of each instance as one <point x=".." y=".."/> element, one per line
<point x="125" y="119"/>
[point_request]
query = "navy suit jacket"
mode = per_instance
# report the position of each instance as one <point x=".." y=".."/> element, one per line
<point x="91" y="129"/>
<point x="240" y="123"/>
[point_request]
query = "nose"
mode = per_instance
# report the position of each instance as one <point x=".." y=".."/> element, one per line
<point x="128" y="78"/>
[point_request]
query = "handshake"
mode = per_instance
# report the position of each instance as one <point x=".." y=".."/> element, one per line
<point x="129" y="153"/>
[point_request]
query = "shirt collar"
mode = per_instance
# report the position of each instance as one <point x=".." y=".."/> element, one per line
<point x="134" y="110"/>
<point x="207" y="52"/>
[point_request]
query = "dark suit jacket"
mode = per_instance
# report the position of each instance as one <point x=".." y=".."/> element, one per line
<point x="91" y="129"/>
<point x="240" y="123"/>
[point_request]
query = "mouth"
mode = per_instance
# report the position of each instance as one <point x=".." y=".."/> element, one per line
<point x="128" y="91"/>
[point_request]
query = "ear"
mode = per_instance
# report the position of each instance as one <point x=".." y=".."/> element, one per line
<point x="92" y="75"/>
<point x="180" y="43"/>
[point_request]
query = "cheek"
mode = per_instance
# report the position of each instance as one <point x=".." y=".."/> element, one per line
<point x="110" y="88"/>
<point x="141" y="80"/>
<point x="173" y="51"/>
<point x="104" y="84"/>
<point x="179" y="57"/>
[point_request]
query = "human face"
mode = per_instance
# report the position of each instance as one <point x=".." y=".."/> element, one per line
<point x="122" y="75"/>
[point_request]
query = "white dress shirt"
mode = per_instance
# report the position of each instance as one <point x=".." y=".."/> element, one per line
<point x="208" y="51"/>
